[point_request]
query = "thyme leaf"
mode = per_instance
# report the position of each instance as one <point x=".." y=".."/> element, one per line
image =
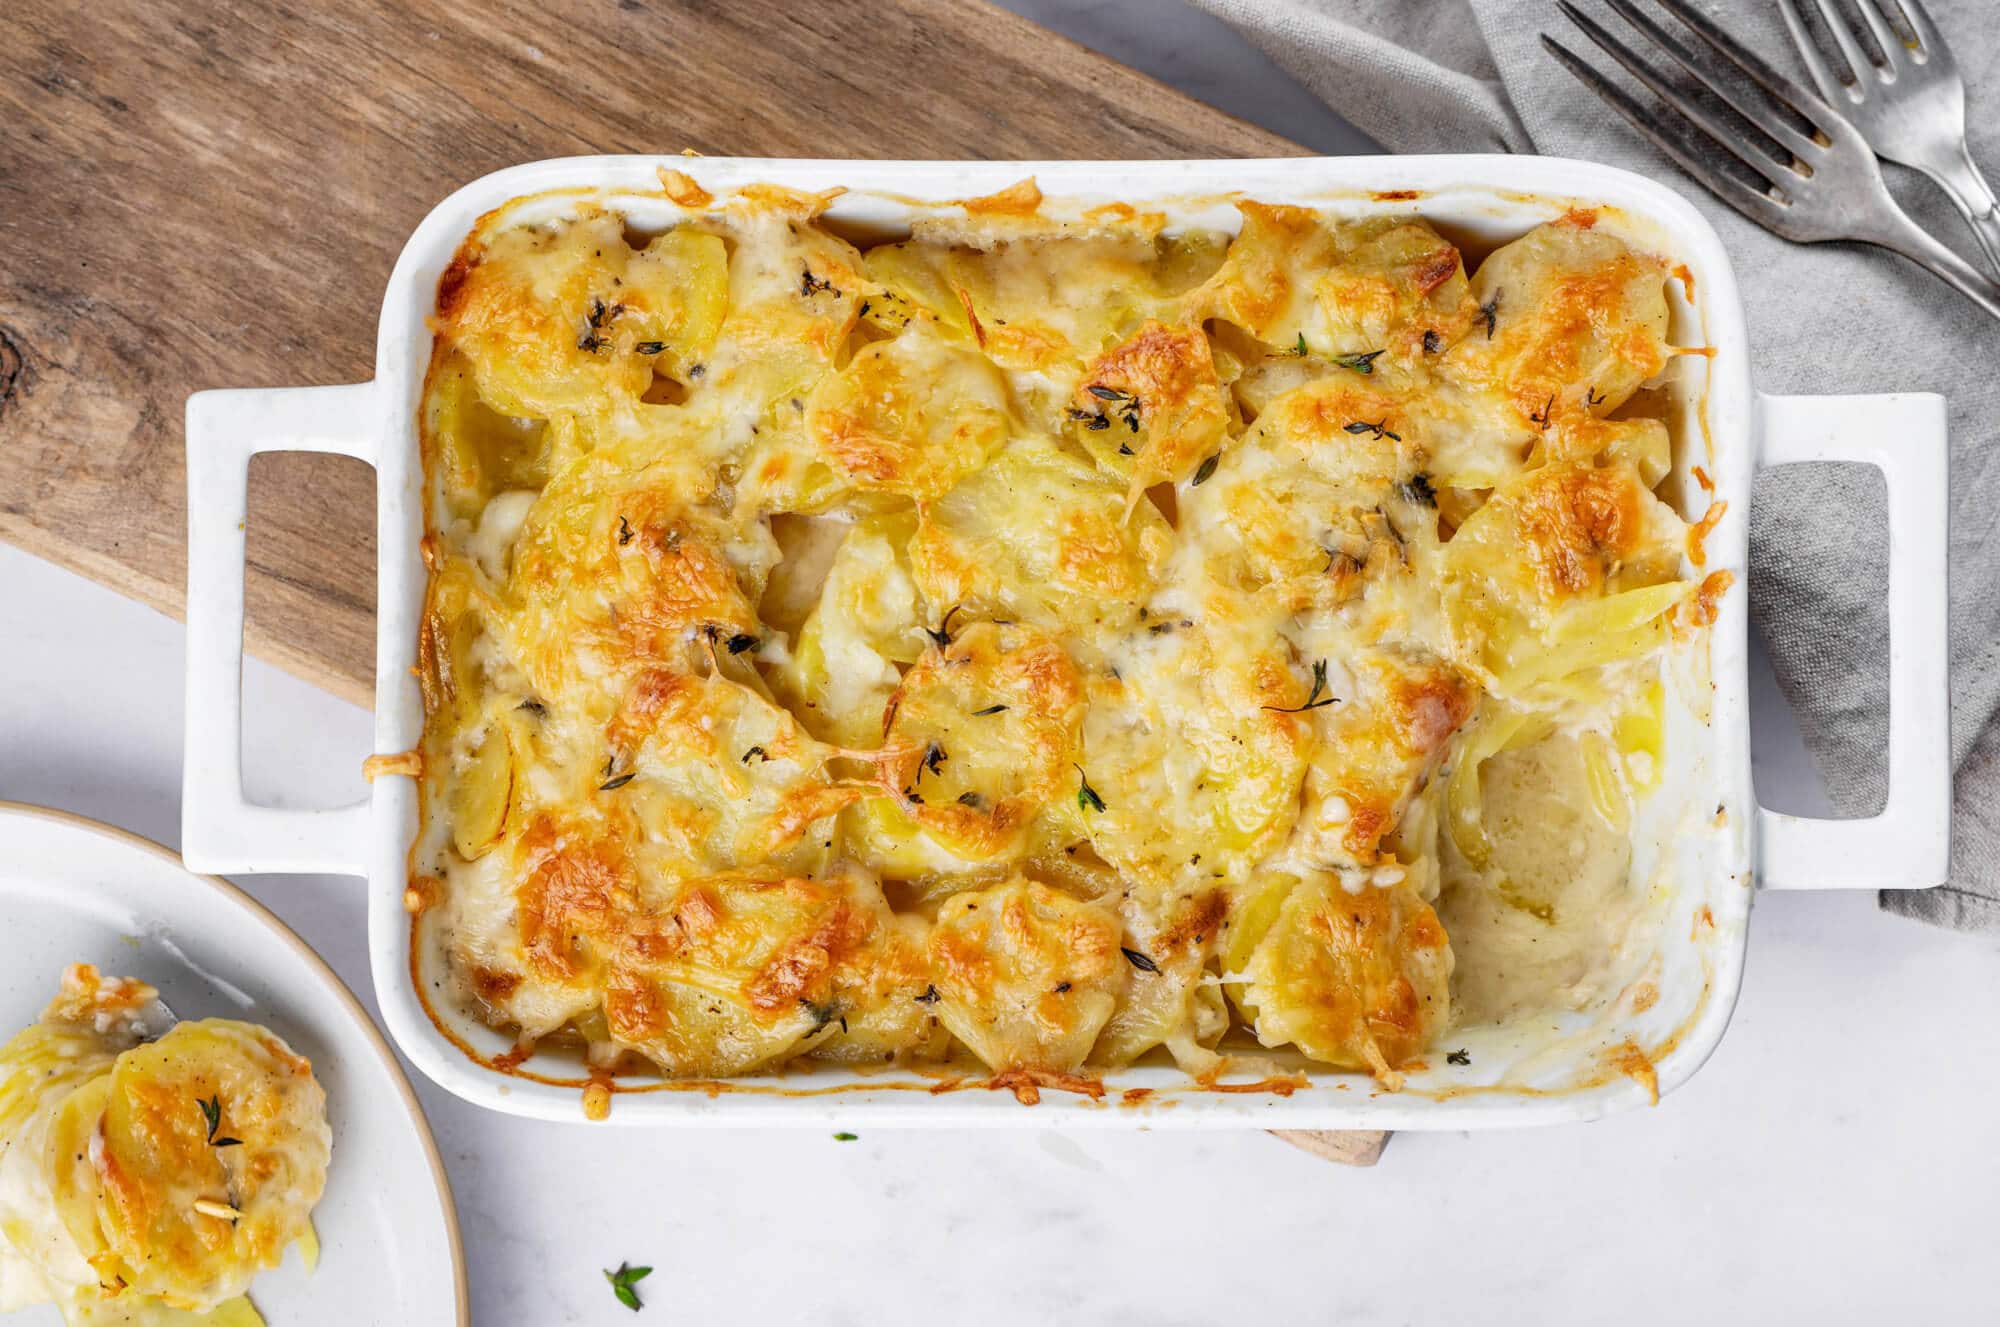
<point x="1418" y="491"/>
<point x="1489" y="313"/>
<point x="1206" y="470"/>
<point x="1458" y="1057"/>
<point x="740" y="643"/>
<point x="1299" y="351"/>
<point x="990" y="709"/>
<point x="1143" y="962"/>
<point x="614" y="784"/>
<point x="649" y="347"/>
<point x="1432" y="341"/>
<point x="1360" y="363"/>
<point x="758" y="752"/>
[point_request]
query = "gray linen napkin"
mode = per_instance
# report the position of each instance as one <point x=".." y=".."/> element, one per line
<point x="1470" y="76"/>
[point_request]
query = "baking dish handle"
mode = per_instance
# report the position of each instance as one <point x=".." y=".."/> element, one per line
<point x="223" y="831"/>
<point x="1908" y="845"/>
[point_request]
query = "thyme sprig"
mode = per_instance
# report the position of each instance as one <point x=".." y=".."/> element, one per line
<point x="1380" y="428"/>
<point x="601" y="316"/>
<point x="1124" y="403"/>
<point x="1315" y="698"/>
<point x="1489" y="313"/>
<point x="810" y="285"/>
<point x="211" y="1114"/>
<point x="1086" y="796"/>
<point x="623" y="1283"/>
<point x="941" y="636"/>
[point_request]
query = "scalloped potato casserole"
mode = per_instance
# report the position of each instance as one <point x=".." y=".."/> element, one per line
<point x="1036" y="641"/>
<point x="148" y="1168"/>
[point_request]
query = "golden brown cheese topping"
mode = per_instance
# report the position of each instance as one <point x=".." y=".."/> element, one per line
<point x="1036" y="640"/>
<point x="149" y="1169"/>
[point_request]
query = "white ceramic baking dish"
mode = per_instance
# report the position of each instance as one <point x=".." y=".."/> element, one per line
<point x="1702" y="842"/>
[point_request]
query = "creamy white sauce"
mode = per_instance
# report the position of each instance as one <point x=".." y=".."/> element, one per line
<point x="1541" y="925"/>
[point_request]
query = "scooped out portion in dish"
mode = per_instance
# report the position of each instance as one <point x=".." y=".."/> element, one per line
<point x="149" y="1169"/>
<point x="1045" y="640"/>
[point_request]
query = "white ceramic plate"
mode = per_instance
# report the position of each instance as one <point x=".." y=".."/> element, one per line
<point x="72" y="890"/>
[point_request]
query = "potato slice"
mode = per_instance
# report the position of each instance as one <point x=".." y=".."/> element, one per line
<point x="482" y="794"/>
<point x="1026" y="975"/>
<point x="150" y="1184"/>
<point x="1357" y="978"/>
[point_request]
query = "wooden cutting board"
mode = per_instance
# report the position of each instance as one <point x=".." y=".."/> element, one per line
<point x="212" y="196"/>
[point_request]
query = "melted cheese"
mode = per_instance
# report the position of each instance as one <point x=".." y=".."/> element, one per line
<point x="848" y="652"/>
<point x="122" y="1198"/>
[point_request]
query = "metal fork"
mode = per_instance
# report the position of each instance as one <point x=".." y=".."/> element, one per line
<point x="1910" y="106"/>
<point x="1815" y="179"/>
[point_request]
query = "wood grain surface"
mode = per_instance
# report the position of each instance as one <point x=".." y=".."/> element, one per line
<point x="1346" y="1147"/>
<point x="212" y="195"/>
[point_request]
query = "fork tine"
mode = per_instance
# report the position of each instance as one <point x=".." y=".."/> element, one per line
<point x="1817" y="112"/>
<point x="1673" y="136"/>
<point x="1767" y="118"/>
<point x="1725" y="135"/>
<point x="1921" y="27"/>
<point x="1823" y="78"/>
<point x="1888" y="41"/>
<point x="1843" y="37"/>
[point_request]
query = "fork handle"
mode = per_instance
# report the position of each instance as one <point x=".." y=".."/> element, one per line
<point x="1962" y="182"/>
<point x="1892" y="229"/>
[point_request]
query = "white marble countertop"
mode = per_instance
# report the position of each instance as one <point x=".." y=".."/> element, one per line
<point x="1836" y="1162"/>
